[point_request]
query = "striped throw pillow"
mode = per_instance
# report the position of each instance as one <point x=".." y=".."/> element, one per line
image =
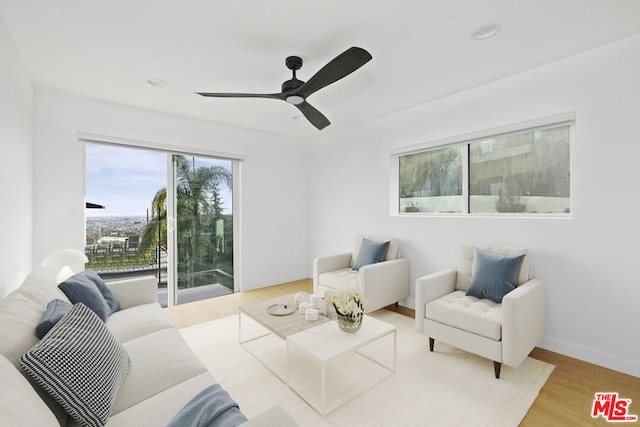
<point x="81" y="364"/>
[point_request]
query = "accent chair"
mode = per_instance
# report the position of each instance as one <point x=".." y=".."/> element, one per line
<point x="490" y="306"/>
<point x="375" y="268"/>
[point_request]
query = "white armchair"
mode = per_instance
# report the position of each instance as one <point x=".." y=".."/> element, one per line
<point x="504" y="332"/>
<point x="381" y="284"/>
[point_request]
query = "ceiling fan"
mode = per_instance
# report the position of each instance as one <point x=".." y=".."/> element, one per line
<point x="296" y="91"/>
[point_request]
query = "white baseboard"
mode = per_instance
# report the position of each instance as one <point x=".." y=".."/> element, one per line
<point x="629" y="367"/>
<point x="273" y="281"/>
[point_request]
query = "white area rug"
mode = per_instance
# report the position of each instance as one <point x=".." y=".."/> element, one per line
<point x="448" y="387"/>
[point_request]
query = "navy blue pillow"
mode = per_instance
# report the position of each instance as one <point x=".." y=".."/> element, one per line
<point x="495" y="275"/>
<point x="108" y="296"/>
<point x="56" y="309"/>
<point x="370" y="252"/>
<point x="83" y="287"/>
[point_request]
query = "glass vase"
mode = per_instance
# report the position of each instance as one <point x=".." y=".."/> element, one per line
<point x="349" y="323"/>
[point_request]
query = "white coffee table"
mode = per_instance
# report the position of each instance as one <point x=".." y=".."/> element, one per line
<point x="314" y="352"/>
<point x="264" y="335"/>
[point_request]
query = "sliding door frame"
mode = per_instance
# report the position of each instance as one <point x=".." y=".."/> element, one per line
<point x="236" y="161"/>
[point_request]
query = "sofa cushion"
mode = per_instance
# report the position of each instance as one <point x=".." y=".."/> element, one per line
<point x="19" y="316"/>
<point x="18" y="319"/>
<point x="40" y="288"/>
<point x="159" y="361"/>
<point x="81" y="364"/>
<point x="138" y="321"/>
<point x="344" y="278"/>
<point x="370" y="252"/>
<point x="494" y="275"/>
<point x="479" y="316"/>
<point x="160" y="408"/>
<point x="20" y="404"/>
<point x="87" y="287"/>
<point x="56" y="309"/>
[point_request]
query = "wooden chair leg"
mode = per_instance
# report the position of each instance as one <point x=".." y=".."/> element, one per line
<point x="431" y="343"/>
<point x="496" y="369"/>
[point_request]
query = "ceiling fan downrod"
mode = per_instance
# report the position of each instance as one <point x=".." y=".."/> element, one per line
<point x="293" y="63"/>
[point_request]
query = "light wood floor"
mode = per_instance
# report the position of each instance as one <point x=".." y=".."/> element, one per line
<point x="565" y="400"/>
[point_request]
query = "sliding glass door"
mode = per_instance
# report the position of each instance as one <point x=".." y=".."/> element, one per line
<point x="201" y="227"/>
<point x="165" y="214"/>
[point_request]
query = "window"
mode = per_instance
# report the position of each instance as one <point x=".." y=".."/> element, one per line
<point x="163" y="213"/>
<point x="431" y="181"/>
<point x="519" y="171"/>
<point x="525" y="172"/>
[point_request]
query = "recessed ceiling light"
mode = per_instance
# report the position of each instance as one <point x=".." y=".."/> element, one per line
<point x="157" y="82"/>
<point x="486" y="31"/>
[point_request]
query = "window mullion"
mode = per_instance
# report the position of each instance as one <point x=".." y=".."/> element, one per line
<point x="465" y="178"/>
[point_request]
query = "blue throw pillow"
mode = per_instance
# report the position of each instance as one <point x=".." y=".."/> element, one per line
<point x="82" y="287"/>
<point x="495" y="275"/>
<point x="108" y="296"/>
<point x="56" y="309"/>
<point x="370" y="252"/>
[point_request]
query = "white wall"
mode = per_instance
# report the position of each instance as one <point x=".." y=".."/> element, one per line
<point x="274" y="180"/>
<point x="588" y="262"/>
<point x="16" y="183"/>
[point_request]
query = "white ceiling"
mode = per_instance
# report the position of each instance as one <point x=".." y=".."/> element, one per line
<point x="422" y="50"/>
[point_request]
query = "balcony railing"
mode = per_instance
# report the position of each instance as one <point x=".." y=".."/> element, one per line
<point x="119" y="259"/>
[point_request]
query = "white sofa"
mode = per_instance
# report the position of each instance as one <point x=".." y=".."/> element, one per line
<point x="504" y="332"/>
<point x="164" y="374"/>
<point x="382" y="283"/>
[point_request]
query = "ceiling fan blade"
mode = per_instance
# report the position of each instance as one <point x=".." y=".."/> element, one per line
<point x="340" y="66"/>
<point x="314" y="116"/>
<point x="242" y="95"/>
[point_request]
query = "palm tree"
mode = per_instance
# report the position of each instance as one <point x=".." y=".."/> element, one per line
<point x="197" y="190"/>
<point x="198" y="208"/>
<point x="154" y="233"/>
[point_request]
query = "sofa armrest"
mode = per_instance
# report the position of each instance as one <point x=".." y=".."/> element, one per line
<point x="136" y="291"/>
<point x="329" y="263"/>
<point x="384" y="283"/>
<point x="274" y="417"/>
<point x="523" y="321"/>
<point x="431" y="287"/>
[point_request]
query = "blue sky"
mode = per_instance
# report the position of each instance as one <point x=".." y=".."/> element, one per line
<point x="126" y="179"/>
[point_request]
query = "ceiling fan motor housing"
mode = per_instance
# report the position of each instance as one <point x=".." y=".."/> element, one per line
<point x="291" y="84"/>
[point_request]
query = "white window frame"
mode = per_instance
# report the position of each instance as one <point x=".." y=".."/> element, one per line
<point x="530" y="125"/>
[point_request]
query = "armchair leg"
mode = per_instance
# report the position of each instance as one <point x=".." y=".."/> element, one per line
<point x="431" y="343"/>
<point x="496" y="369"/>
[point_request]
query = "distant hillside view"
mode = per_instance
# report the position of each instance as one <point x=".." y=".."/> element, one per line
<point x="112" y="242"/>
<point x="113" y="226"/>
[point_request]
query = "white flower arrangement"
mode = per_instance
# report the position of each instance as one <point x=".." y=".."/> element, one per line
<point x="348" y="302"/>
